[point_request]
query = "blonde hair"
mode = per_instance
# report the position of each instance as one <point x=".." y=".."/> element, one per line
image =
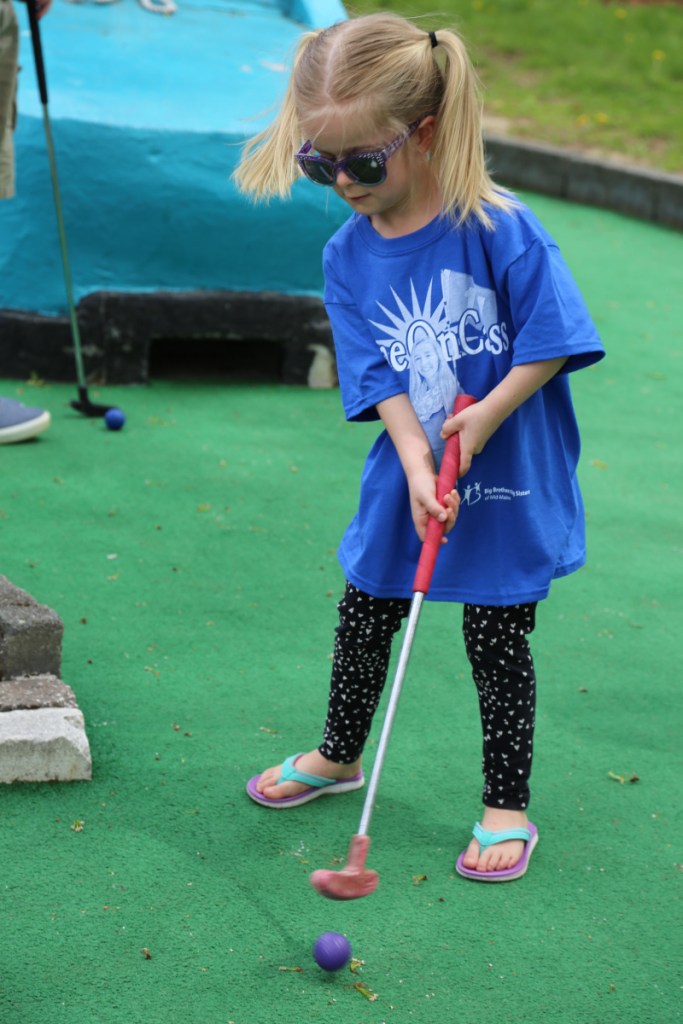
<point x="384" y="67"/>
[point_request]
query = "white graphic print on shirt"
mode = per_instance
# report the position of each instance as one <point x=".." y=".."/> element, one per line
<point x="428" y="342"/>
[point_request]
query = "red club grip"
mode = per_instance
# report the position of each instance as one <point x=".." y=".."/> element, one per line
<point x="448" y="475"/>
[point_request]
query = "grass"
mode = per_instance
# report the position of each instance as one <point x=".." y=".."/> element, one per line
<point x="602" y="77"/>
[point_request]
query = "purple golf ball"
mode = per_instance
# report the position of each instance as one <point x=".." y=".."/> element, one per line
<point x="331" y="951"/>
<point x="114" y="419"/>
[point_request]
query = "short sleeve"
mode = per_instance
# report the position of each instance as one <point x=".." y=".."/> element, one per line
<point x="365" y="377"/>
<point x="550" y="317"/>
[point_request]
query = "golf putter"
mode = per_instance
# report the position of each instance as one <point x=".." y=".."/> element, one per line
<point x="355" y="880"/>
<point x="83" y="403"/>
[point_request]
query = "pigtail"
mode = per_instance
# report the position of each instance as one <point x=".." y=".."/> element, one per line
<point x="458" y="150"/>
<point x="267" y="167"/>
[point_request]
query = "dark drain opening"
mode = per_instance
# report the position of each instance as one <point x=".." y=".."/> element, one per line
<point x="245" y="360"/>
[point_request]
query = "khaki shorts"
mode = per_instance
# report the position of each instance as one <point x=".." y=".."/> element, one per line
<point x="9" y="55"/>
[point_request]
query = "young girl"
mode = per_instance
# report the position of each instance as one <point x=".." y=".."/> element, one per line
<point x="388" y="115"/>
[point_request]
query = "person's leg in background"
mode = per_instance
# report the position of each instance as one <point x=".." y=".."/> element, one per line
<point x="18" y="422"/>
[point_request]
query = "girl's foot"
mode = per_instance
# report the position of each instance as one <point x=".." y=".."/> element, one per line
<point x="315" y="764"/>
<point x="501" y="856"/>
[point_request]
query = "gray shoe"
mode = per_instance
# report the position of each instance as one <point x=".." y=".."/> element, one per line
<point x="20" y="423"/>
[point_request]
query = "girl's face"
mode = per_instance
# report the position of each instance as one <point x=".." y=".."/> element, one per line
<point x="408" y="198"/>
<point x="425" y="358"/>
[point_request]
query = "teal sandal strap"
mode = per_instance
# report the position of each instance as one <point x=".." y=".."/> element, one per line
<point x="485" y="838"/>
<point x="292" y="774"/>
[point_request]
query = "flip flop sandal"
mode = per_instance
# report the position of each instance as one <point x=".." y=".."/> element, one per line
<point x="485" y="838"/>
<point x="317" y="786"/>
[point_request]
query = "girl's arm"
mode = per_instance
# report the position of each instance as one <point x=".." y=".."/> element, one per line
<point x="417" y="460"/>
<point x="477" y="423"/>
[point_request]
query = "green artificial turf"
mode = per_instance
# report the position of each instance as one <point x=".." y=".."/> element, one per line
<point x="192" y="559"/>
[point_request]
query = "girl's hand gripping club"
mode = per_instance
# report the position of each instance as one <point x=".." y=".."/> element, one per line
<point x="355" y="880"/>
<point x="448" y="477"/>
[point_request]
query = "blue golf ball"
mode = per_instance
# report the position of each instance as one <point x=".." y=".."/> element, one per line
<point x="114" y="419"/>
<point x="331" y="951"/>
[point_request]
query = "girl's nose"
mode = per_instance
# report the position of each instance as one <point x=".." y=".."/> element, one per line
<point x="342" y="179"/>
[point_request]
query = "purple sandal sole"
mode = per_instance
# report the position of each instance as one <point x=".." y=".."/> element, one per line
<point x="342" y="786"/>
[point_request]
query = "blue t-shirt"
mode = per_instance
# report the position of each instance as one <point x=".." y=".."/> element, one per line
<point x="446" y="310"/>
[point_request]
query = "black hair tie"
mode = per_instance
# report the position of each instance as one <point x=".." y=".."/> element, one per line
<point x="433" y="39"/>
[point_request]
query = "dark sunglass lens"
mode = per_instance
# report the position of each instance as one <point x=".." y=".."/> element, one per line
<point x="320" y="173"/>
<point x="366" y="170"/>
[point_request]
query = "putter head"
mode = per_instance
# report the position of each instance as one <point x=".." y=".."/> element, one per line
<point x="90" y="409"/>
<point x="352" y="882"/>
<point x="84" y="405"/>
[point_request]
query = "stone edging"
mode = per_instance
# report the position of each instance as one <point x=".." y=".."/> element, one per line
<point x="650" y="195"/>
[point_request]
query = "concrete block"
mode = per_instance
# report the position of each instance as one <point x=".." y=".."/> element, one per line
<point x="30" y="634"/>
<point x="44" y="745"/>
<point x="10" y="594"/>
<point x="29" y="692"/>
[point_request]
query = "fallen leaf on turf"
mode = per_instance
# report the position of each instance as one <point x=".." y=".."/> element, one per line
<point x="271" y="732"/>
<point x="599" y="464"/>
<point x="623" y="778"/>
<point x="419" y="878"/>
<point x="297" y="970"/>
<point x="146" y="953"/>
<point x="356" y="965"/>
<point x="365" y="991"/>
<point x="78" y="825"/>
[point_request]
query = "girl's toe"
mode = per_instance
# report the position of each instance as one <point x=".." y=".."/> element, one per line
<point x="471" y="858"/>
<point x="273" y="792"/>
<point x="267" y="780"/>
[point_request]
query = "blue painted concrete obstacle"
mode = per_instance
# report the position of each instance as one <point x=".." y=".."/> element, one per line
<point x="147" y="112"/>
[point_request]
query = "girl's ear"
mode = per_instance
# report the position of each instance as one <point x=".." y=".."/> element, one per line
<point x="424" y="136"/>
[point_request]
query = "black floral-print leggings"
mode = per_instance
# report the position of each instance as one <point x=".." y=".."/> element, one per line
<point x="502" y="668"/>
